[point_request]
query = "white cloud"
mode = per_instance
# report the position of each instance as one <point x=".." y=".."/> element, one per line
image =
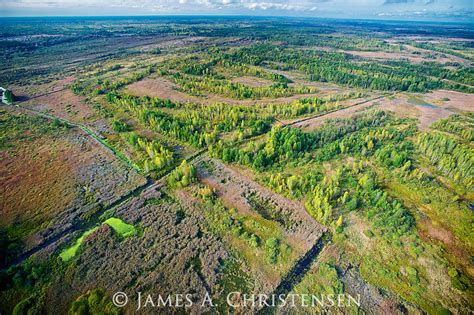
<point x="324" y="8"/>
<point x="276" y="6"/>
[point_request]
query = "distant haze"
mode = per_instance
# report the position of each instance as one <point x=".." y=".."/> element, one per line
<point x="435" y="10"/>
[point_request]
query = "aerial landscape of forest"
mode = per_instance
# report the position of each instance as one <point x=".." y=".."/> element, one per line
<point x="212" y="163"/>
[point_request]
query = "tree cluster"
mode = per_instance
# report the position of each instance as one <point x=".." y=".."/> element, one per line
<point x="157" y="157"/>
<point x="182" y="176"/>
<point x="453" y="159"/>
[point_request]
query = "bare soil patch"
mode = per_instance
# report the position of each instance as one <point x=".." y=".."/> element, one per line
<point x="429" y="115"/>
<point x="252" y="81"/>
<point x="451" y="100"/>
<point x="440" y="57"/>
<point x="162" y="88"/>
<point x="371" y="297"/>
<point x="58" y="100"/>
<point x="33" y="181"/>
<point x="165" y="89"/>
<point x="63" y="103"/>
<point x="423" y="55"/>
<point x="445" y="103"/>
<point x="437" y="232"/>
<point x="427" y="108"/>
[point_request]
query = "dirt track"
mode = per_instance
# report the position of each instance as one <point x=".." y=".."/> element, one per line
<point x="312" y="122"/>
<point x="439" y="104"/>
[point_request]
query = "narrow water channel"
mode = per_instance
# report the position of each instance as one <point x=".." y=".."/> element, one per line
<point x="297" y="272"/>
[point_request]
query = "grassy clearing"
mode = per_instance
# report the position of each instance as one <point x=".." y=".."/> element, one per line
<point x="120" y="227"/>
<point x="70" y="252"/>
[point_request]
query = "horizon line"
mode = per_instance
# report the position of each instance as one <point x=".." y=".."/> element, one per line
<point x="466" y="21"/>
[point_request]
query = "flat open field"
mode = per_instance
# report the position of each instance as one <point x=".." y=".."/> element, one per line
<point x="161" y="88"/>
<point x="426" y="108"/>
<point x="51" y="179"/>
<point x="165" y="89"/>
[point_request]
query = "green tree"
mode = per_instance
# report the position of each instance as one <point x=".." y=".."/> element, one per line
<point x="8" y="97"/>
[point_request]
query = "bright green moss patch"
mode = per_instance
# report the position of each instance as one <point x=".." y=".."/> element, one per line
<point x="116" y="224"/>
<point x="121" y="227"/>
<point x="70" y="252"/>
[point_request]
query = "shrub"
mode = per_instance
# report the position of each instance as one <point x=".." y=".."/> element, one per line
<point x="93" y="302"/>
<point x="120" y="126"/>
<point x="272" y="249"/>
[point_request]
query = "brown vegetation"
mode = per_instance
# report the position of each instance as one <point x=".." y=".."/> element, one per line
<point x="51" y="179"/>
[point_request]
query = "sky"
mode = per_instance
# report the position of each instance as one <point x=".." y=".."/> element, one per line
<point x="438" y="10"/>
